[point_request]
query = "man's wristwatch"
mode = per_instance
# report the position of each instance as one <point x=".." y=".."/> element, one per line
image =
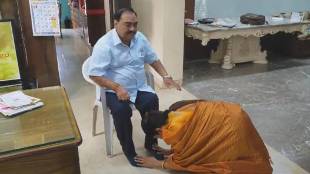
<point x="167" y="76"/>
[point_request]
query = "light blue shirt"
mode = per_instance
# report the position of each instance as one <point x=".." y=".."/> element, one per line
<point x="123" y="64"/>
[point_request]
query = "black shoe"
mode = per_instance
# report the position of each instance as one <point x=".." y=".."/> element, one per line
<point x="132" y="161"/>
<point x="155" y="153"/>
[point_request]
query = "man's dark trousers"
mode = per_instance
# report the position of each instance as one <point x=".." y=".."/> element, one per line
<point x="122" y="112"/>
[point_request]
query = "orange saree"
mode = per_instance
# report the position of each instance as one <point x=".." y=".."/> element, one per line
<point x="214" y="137"/>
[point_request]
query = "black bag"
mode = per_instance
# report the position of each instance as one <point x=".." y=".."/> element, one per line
<point x="252" y="19"/>
<point x="206" y="20"/>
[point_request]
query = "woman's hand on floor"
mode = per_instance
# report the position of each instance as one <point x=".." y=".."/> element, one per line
<point x="149" y="162"/>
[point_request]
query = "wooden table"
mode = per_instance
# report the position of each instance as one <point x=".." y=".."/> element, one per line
<point x="42" y="141"/>
<point x="242" y="42"/>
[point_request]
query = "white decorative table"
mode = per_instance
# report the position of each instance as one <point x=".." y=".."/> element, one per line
<point x="242" y="42"/>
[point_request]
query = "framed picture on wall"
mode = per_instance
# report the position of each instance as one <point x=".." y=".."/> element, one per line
<point x="9" y="55"/>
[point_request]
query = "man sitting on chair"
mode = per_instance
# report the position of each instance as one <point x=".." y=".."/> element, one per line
<point x="117" y="64"/>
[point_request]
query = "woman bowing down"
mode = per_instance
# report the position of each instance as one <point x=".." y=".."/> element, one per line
<point x="206" y="137"/>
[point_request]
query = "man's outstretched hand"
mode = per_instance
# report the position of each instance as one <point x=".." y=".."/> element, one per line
<point x="169" y="82"/>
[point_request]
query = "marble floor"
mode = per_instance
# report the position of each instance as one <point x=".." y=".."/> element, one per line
<point x="267" y="115"/>
<point x="276" y="96"/>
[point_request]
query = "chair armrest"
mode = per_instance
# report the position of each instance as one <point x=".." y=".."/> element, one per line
<point x="150" y="79"/>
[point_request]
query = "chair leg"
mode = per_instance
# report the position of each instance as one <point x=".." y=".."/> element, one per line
<point x="95" y="111"/>
<point x="108" y="129"/>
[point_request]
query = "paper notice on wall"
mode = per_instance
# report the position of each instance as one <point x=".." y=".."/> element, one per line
<point x="45" y="17"/>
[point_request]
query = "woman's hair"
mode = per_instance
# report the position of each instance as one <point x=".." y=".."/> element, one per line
<point x="153" y="120"/>
<point x="118" y="14"/>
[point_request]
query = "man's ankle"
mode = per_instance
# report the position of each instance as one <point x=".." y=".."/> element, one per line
<point x="132" y="161"/>
<point x="150" y="142"/>
<point x="155" y="153"/>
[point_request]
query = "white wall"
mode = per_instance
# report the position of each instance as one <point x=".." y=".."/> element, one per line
<point x="235" y="8"/>
<point x="162" y="21"/>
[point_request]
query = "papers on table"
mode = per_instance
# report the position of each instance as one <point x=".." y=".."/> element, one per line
<point x="190" y="22"/>
<point x="277" y="19"/>
<point x="17" y="102"/>
<point x="296" y="17"/>
<point x="224" y="22"/>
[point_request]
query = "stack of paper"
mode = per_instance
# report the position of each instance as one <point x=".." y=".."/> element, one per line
<point x="296" y="17"/>
<point x="17" y="102"/>
<point x="225" y="22"/>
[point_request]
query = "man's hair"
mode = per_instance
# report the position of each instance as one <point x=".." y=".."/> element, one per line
<point x="153" y="120"/>
<point x="118" y="14"/>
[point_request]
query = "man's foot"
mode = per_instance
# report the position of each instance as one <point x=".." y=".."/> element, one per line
<point x="155" y="153"/>
<point x="132" y="161"/>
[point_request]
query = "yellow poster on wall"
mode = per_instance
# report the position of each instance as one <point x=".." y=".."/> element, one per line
<point x="8" y="58"/>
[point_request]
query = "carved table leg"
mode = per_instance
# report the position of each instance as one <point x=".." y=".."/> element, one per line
<point x="262" y="58"/>
<point x="227" y="62"/>
<point x="218" y="55"/>
<point x="247" y="49"/>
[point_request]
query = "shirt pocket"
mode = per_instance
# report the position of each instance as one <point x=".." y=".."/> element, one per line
<point x="141" y="52"/>
<point x="120" y="59"/>
<point x="140" y="55"/>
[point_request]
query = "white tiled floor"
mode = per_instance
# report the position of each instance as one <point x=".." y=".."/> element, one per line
<point x="92" y="151"/>
<point x="93" y="159"/>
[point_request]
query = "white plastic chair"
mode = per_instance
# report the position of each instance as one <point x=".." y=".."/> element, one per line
<point x="100" y="100"/>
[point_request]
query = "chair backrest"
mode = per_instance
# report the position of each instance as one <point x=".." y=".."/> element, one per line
<point x="85" y="68"/>
<point x="85" y="71"/>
